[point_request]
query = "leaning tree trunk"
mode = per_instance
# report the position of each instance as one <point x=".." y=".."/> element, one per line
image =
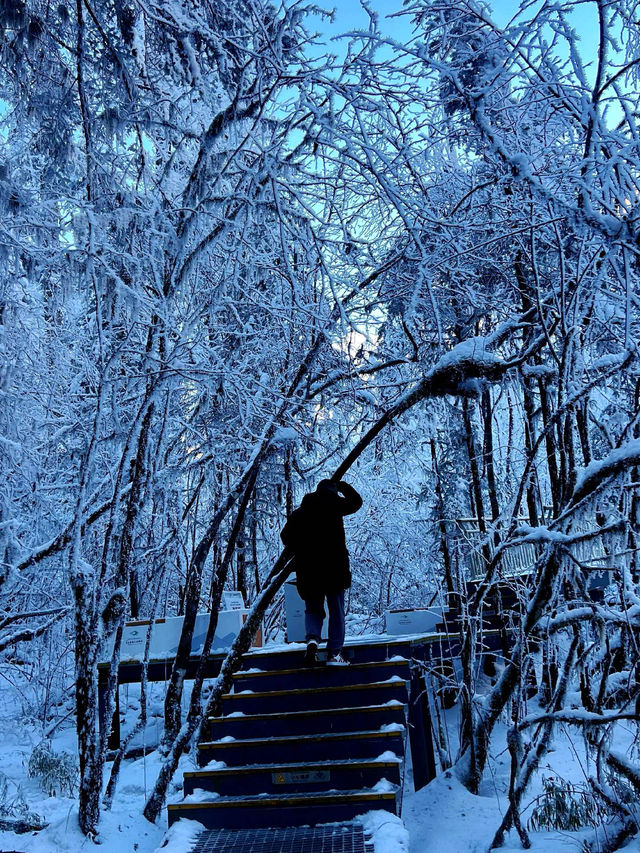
<point x="439" y="381"/>
<point x="194" y="575"/>
<point x="173" y="699"/>
<point x="223" y="683"/>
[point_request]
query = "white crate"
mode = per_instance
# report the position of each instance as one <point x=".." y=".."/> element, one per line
<point x="165" y="635"/>
<point x="294" y="611"/>
<point x="419" y="620"/>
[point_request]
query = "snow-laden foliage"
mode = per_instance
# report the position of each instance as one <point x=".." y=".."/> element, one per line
<point x="54" y="771"/>
<point x="232" y="265"/>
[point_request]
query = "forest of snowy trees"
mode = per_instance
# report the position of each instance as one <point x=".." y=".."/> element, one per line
<point x="236" y="259"/>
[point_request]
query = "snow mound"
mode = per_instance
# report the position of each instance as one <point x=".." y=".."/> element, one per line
<point x="181" y="837"/>
<point x="388" y="832"/>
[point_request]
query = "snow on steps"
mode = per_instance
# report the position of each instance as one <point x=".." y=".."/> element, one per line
<point x="284" y="809"/>
<point x="351" y="762"/>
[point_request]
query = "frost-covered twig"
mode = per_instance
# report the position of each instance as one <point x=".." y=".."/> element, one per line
<point x="577" y="717"/>
<point x="26" y="634"/>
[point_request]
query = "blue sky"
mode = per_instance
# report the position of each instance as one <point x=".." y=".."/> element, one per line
<point x="349" y="15"/>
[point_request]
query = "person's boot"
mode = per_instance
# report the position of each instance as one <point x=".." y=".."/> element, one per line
<point x="311" y="655"/>
<point x="336" y="657"/>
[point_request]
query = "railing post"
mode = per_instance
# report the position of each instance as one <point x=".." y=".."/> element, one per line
<point x="420" y="737"/>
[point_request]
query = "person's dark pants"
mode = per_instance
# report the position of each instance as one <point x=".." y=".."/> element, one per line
<point x="314" y="617"/>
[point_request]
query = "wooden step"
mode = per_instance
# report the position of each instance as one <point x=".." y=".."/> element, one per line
<point x="320" y="676"/>
<point x="307" y="722"/>
<point x="284" y="809"/>
<point x="347" y="775"/>
<point x="355" y="650"/>
<point x="340" y="696"/>
<point x="329" y="747"/>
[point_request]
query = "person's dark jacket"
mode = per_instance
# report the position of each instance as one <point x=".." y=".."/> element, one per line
<point x="314" y="533"/>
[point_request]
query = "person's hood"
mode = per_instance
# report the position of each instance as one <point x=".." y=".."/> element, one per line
<point x="319" y="501"/>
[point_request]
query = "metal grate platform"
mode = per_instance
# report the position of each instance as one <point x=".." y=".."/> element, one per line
<point x="347" y="838"/>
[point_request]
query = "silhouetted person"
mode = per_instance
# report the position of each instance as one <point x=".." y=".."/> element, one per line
<point x="314" y="533"/>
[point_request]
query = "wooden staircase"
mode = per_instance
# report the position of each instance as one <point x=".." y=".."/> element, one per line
<point x="298" y="746"/>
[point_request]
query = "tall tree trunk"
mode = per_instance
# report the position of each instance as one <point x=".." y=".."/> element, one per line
<point x="487" y="421"/>
<point x="452" y="593"/>
<point x="87" y="712"/>
<point x="471" y="766"/>
<point x="528" y="304"/>
<point x="550" y="446"/>
<point x="476" y="482"/>
<point x="126" y="570"/>
<point x="529" y="442"/>
<point x="241" y="565"/>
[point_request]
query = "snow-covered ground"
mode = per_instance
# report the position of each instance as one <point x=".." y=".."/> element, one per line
<point x="121" y="829"/>
<point x="444" y="817"/>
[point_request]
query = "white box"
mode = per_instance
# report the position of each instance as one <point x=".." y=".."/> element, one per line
<point x="294" y="612"/>
<point x="418" y="620"/>
<point x="165" y="635"/>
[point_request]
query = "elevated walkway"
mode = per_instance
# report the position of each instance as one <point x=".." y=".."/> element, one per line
<point x="363" y="649"/>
